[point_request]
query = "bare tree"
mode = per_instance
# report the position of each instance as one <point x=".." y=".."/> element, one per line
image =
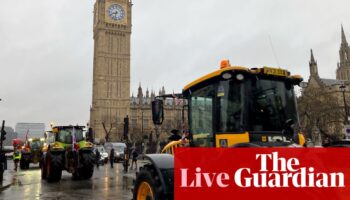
<point x="108" y="125"/>
<point x="321" y="107"/>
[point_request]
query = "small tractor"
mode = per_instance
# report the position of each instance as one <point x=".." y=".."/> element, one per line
<point x="31" y="152"/>
<point x="67" y="149"/>
<point x="231" y="107"/>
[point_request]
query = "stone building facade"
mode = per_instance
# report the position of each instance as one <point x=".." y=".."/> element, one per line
<point x="332" y="95"/>
<point x="141" y="124"/>
<point x="111" y="101"/>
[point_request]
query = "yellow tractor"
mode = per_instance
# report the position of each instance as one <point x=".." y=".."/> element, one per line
<point x="234" y="106"/>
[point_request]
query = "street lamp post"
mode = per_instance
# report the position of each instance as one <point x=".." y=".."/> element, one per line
<point x="142" y="122"/>
<point x="346" y="121"/>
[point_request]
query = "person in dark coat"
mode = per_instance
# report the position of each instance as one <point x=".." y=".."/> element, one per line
<point x="134" y="155"/>
<point x="98" y="157"/>
<point x="111" y="157"/>
<point x="175" y="135"/>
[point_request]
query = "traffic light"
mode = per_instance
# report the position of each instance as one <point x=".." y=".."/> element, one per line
<point x="126" y="127"/>
<point x="157" y="111"/>
<point x="3" y="132"/>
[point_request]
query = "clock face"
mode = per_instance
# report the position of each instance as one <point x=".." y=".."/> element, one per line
<point x="116" y="12"/>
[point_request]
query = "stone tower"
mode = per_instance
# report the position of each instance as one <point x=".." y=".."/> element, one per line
<point x="343" y="70"/>
<point x="111" y="67"/>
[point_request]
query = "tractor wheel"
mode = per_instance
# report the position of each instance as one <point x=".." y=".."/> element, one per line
<point x="22" y="164"/>
<point x="145" y="187"/>
<point x="53" y="167"/>
<point x="87" y="170"/>
<point x="43" y="169"/>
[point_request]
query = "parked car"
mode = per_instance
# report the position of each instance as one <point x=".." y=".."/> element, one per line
<point x="119" y="148"/>
<point x="103" y="153"/>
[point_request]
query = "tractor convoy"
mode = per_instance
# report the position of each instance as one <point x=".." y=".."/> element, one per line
<point x="232" y="107"/>
<point x="62" y="148"/>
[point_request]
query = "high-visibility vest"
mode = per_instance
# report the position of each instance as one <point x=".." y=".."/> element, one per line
<point x="17" y="155"/>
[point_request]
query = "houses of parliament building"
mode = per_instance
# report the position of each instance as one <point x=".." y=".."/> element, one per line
<point x="326" y="101"/>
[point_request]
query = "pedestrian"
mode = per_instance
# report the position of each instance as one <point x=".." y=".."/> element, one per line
<point x="16" y="157"/>
<point x="98" y="157"/>
<point x="175" y="135"/>
<point x="134" y="155"/>
<point x="111" y="157"/>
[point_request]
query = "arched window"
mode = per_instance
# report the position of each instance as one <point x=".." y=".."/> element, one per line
<point x="345" y="55"/>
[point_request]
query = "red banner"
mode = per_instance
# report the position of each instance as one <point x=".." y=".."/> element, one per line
<point x="262" y="173"/>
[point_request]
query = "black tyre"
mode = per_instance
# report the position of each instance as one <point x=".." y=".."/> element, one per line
<point x="87" y="169"/>
<point x="145" y="186"/>
<point x="22" y="164"/>
<point x="43" y="169"/>
<point x="53" y="167"/>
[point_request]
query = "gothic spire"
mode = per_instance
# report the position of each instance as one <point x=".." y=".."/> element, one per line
<point x="312" y="59"/>
<point x="343" y="38"/>
<point x="344" y="51"/>
<point x="153" y="95"/>
<point x="140" y="94"/>
<point x="147" y="93"/>
<point x="163" y="91"/>
<point x="313" y="65"/>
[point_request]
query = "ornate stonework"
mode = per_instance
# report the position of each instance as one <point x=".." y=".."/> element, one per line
<point x="343" y="70"/>
<point x="111" y="66"/>
<point x="337" y="89"/>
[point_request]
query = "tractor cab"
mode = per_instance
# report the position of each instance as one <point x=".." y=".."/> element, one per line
<point x="237" y="107"/>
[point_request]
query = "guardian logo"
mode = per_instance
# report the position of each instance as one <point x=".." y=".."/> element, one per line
<point x="255" y="173"/>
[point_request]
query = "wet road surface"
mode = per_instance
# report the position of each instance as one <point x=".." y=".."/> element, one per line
<point x="106" y="183"/>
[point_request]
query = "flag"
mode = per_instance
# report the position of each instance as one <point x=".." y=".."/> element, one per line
<point x="27" y="135"/>
<point x="73" y="140"/>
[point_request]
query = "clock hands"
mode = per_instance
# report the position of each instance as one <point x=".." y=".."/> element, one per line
<point x="116" y="12"/>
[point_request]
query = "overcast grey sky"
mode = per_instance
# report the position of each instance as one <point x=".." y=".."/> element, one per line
<point x="46" y="47"/>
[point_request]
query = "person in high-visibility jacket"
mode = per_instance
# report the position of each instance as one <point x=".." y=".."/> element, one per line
<point x="16" y="157"/>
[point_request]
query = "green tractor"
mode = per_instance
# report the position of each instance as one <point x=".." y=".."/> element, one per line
<point x="31" y="152"/>
<point x="67" y="150"/>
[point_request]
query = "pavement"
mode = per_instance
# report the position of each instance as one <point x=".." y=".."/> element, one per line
<point x="7" y="180"/>
<point x="132" y="172"/>
<point x="13" y="180"/>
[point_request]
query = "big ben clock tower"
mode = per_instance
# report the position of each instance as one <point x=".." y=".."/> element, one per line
<point x="111" y="67"/>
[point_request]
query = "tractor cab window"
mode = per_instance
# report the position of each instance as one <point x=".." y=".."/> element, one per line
<point x="66" y="135"/>
<point x="229" y="106"/>
<point x="271" y="105"/>
<point x="201" y="120"/>
<point x="35" y="144"/>
<point x="78" y="135"/>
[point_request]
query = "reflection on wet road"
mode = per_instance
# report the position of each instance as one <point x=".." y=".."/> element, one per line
<point x="106" y="183"/>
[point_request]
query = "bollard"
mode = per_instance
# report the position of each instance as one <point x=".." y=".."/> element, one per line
<point x="126" y="159"/>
